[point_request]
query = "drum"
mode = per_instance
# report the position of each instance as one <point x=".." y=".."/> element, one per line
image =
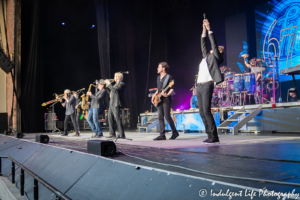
<point x="218" y="93"/>
<point x="229" y="75"/>
<point x="193" y="102"/>
<point x="249" y="81"/>
<point x="238" y="82"/>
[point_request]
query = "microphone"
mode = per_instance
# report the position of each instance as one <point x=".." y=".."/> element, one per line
<point x="125" y="72"/>
<point x="204" y="15"/>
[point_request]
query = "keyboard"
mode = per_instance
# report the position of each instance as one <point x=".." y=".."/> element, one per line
<point x="291" y="70"/>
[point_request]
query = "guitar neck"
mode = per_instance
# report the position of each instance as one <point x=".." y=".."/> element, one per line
<point x="164" y="90"/>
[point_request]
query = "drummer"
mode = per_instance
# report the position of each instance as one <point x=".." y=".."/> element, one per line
<point x="251" y="66"/>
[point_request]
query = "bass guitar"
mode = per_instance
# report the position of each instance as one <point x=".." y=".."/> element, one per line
<point x="157" y="97"/>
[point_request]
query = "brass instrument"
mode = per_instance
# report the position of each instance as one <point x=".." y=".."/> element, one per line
<point x="85" y="99"/>
<point x="57" y="97"/>
<point x="102" y="81"/>
<point x="271" y="83"/>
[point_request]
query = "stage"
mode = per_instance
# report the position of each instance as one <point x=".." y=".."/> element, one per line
<point x="277" y="117"/>
<point x="247" y="156"/>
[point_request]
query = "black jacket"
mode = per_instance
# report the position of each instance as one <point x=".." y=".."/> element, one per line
<point x="213" y="60"/>
<point x="117" y="98"/>
<point x="97" y="99"/>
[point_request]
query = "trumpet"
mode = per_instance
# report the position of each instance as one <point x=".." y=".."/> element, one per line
<point x="101" y="81"/>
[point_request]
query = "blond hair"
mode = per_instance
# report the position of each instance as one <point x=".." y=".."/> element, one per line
<point x="119" y="74"/>
<point x="67" y="91"/>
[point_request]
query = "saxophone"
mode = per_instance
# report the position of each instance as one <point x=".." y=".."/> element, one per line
<point x="85" y="99"/>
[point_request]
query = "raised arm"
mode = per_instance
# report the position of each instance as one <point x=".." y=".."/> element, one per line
<point x="203" y="42"/>
<point x="98" y="96"/>
<point x="120" y="87"/>
<point x="213" y="42"/>
<point x="247" y="64"/>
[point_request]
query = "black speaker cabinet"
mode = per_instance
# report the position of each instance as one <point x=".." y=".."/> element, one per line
<point x="42" y="139"/>
<point x="101" y="148"/>
<point x="7" y="132"/>
<point x="19" y="134"/>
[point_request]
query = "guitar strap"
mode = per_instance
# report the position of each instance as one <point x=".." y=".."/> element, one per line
<point x="165" y="81"/>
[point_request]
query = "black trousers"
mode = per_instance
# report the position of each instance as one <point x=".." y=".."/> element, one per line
<point x="67" y="118"/>
<point x="164" y="109"/>
<point x="77" y="118"/>
<point x="204" y="97"/>
<point x="115" y="118"/>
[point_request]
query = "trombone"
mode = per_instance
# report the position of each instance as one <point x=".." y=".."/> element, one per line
<point x="57" y="97"/>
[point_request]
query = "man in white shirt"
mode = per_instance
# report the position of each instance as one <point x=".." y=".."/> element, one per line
<point x="209" y="74"/>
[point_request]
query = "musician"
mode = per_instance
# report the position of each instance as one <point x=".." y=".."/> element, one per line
<point x="117" y="101"/>
<point x="293" y="96"/>
<point x="70" y="102"/>
<point x="209" y="74"/>
<point x="78" y="110"/>
<point x="164" y="107"/>
<point x="96" y="107"/>
<point x="251" y="67"/>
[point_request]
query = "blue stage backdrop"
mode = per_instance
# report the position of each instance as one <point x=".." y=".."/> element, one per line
<point x="278" y="33"/>
<point x="236" y="40"/>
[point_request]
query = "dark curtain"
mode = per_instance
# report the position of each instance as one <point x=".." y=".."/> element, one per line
<point x="32" y="85"/>
<point x="122" y="53"/>
<point x="103" y="38"/>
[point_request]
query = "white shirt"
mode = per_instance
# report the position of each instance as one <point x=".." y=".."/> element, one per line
<point x="203" y="74"/>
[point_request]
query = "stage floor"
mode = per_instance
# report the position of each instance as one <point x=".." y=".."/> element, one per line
<point x="271" y="157"/>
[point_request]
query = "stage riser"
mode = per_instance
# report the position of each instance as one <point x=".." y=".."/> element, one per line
<point x="85" y="176"/>
<point x="286" y="119"/>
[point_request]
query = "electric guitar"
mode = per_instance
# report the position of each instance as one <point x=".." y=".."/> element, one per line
<point x="157" y="96"/>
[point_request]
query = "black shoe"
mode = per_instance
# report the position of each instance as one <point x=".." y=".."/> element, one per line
<point x="174" y="136"/>
<point x="121" y="137"/>
<point x="213" y="141"/>
<point x="204" y="141"/>
<point x="160" y="138"/>
<point x="64" y="134"/>
<point x="111" y="136"/>
<point x="77" y="135"/>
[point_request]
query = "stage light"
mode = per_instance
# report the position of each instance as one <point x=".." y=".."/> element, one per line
<point x="63" y="23"/>
<point x="177" y="109"/>
<point x="93" y="26"/>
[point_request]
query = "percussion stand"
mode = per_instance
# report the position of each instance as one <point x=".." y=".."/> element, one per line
<point x="54" y="124"/>
<point x="228" y="99"/>
<point x="261" y="87"/>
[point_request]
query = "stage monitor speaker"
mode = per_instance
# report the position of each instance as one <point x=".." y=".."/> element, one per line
<point x="7" y="132"/>
<point x="5" y="63"/>
<point x="19" y="134"/>
<point x="42" y="139"/>
<point x="101" y="148"/>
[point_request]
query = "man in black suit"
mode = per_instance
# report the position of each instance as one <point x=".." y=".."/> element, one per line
<point x="209" y="74"/>
<point x="69" y="103"/>
<point x="117" y="102"/>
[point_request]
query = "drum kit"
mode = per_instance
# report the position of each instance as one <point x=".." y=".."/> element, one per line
<point x="239" y="88"/>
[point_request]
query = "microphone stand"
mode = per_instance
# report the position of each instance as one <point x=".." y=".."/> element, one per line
<point x="54" y="125"/>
